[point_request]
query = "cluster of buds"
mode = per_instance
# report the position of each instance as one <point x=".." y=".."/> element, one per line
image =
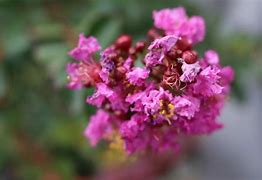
<point x="151" y="93"/>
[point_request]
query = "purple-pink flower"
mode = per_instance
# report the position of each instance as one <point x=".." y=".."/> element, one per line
<point x="164" y="44"/>
<point x="137" y="76"/>
<point x="151" y="104"/>
<point x="131" y="128"/>
<point x="196" y="29"/>
<point x="186" y="106"/>
<point x="170" y="20"/>
<point x="135" y="99"/>
<point x="82" y="74"/>
<point x="207" y="83"/>
<point x="176" y="22"/>
<point x="85" y="49"/>
<point x="102" y="93"/>
<point x="189" y="72"/>
<point x="106" y="94"/>
<point x="99" y="127"/>
<point x="158" y="49"/>
<point x="211" y="57"/>
<point x="77" y="78"/>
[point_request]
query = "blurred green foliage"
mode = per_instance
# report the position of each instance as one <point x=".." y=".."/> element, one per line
<point x="41" y="122"/>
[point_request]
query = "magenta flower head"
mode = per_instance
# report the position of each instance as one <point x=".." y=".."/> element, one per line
<point x="99" y="127"/>
<point x="137" y="76"/>
<point x="176" y="22"/>
<point x="151" y="107"/>
<point x="85" y="49"/>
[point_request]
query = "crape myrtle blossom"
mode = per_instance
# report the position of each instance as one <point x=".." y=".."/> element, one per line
<point x="137" y="76"/>
<point x="207" y="83"/>
<point x="107" y="64"/>
<point x="85" y="49"/>
<point x="104" y="93"/>
<point x="186" y="106"/>
<point x="176" y="22"/>
<point x="158" y="49"/>
<point x="175" y="92"/>
<point x="82" y="74"/>
<point x="227" y="76"/>
<point x="211" y="57"/>
<point x="154" y="100"/>
<point x="99" y="127"/>
<point x="189" y="71"/>
<point x="135" y="100"/>
<point x="86" y="72"/>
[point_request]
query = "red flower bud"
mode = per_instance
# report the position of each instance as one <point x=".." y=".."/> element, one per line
<point x="124" y="42"/>
<point x="183" y="44"/>
<point x="190" y="57"/>
<point x="140" y="46"/>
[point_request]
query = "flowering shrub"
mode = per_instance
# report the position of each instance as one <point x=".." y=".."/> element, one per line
<point x="150" y="107"/>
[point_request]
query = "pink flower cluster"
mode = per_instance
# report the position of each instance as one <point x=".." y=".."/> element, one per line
<point x="173" y="94"/>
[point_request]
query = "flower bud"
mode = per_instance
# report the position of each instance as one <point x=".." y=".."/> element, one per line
<point x="183" y="44"/>
<point x="123" y="42"/>
<point x="140" y="46"/>
<point x="190" y="57"/>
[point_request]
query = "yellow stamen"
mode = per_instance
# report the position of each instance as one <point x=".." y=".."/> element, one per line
<point x="163" y="112"/>
<point x="116" y="153"/>
<point x="171" y="106"/>
<point x="167" y="113"/>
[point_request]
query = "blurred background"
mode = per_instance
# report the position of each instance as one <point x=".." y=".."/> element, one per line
<point x="42" y="122"/>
